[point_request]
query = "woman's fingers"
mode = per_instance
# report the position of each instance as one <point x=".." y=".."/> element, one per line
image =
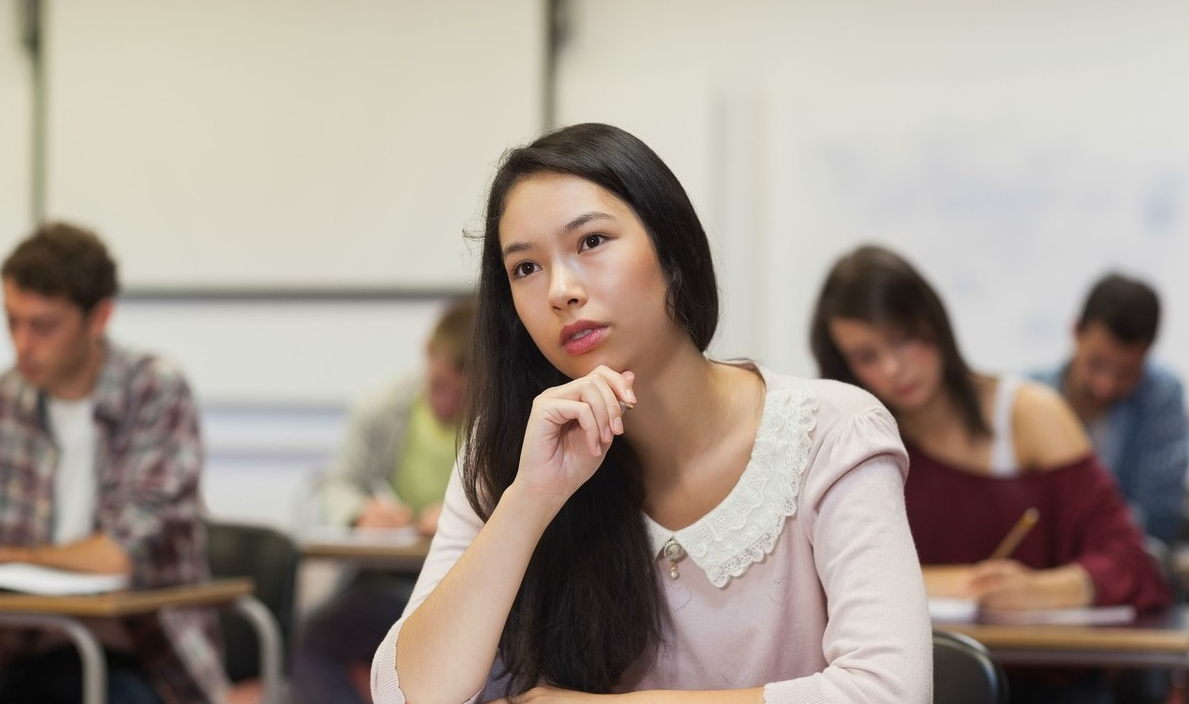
<point x="608" y="393"/>
<point x="606" y="405"/>
<point x="571" y="427"/>
<point x="617" y="393"/>
<point x="562" y="411"/>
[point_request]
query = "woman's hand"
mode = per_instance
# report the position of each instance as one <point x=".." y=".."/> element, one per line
<point x="382" y="513"/>
<point x="427" y="520"/>
<point x="1007" y="584"/>
<point x="569" y="430"/>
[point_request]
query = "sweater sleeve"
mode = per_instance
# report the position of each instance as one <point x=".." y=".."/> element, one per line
<point x="877" y="642"/>
<point x="1098" y="533"/>
<point x="374" y="432"/>
<point x="457" y="527"/>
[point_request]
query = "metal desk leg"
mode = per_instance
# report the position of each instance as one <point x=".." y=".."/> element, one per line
<point x="269" y="633"/>
<point x="94" y="665"/>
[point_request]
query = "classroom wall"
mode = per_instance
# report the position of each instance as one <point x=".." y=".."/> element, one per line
<point x="1013" y="150"/>
<point x="287" y="143"/>
<point x="16" y="103"/>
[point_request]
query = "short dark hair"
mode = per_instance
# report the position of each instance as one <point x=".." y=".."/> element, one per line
<point x="879" y="287"/>
<point x="63" y="260"/>
<point x="1128" y="307"/>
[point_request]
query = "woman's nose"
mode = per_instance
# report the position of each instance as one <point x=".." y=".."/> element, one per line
<point x="565" y="288"/>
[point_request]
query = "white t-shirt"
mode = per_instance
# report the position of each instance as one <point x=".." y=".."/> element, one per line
<point x="73" y="426"/>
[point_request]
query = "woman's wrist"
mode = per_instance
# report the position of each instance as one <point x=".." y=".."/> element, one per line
<point x="530" y="503"/>
<point x="1068" y="585"/>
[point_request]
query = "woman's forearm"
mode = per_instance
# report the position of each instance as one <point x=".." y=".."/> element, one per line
<point x="951" y="581"/>
<point x="447" y="645"/>
<point x="755" y="695"/>
<point x="96" y="553"/>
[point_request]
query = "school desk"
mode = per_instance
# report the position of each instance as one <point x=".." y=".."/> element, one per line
<point x="1149" y="641"/>
<point x="63" y="613"/>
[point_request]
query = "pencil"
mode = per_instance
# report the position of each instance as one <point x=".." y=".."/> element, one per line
<point x="1010" y="541"/>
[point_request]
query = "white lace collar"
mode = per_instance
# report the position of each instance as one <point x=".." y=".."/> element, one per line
<point x="744" y="527"/>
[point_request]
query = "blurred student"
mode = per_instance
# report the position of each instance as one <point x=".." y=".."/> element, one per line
<point x="632" y="519"/>
<point x="984" y="450"/>
<point x="1132" y="407"/>
<point x="100" y="460"/>
<point x="391" y="472"/>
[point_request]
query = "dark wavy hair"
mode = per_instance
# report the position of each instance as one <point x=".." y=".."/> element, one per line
<point x="878" y="286"/>
<point x="587" y="609"/>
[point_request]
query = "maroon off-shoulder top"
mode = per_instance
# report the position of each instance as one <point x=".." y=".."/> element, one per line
<point x="958" y="517"/>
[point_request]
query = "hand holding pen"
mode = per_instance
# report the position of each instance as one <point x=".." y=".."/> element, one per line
<point x="569" y="431"/>
<point x="383" y="509"/>
<point x="1003" y="583"/>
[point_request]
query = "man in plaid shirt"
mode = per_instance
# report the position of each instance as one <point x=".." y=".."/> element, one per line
<point x="100" y="459"/>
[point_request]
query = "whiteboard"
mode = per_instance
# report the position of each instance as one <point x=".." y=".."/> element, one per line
<point x="287" y="143"/>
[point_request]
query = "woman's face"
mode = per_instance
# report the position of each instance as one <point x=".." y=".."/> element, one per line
<point x="585" y="279"/>
<point x="902" y="370"/>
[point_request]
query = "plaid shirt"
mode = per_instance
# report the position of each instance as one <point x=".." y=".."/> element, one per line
<point x="148" y="463"/>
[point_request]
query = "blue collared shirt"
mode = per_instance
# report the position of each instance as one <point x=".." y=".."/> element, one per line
<point x="1144" y="440"/>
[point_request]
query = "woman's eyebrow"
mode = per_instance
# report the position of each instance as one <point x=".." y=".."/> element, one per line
<point x="575" y="224"/>
<point x="586" y="218"/>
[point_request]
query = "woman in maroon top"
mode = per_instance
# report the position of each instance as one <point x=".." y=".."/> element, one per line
<point x="879" y="324"/>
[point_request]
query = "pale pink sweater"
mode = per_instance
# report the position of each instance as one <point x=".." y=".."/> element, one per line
<point x="804" y="580"/>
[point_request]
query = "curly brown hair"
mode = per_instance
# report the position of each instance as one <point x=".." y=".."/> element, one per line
<point x="63" y="260"/>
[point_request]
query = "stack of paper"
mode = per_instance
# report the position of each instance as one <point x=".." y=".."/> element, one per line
<point x="34" y="579"/>
<point x="1088" y="616"/>
<point x="943" y="610"/>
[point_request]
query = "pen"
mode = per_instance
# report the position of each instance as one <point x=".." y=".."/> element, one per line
<point x="1010" y="541"/>
<point x="383" y="491"/>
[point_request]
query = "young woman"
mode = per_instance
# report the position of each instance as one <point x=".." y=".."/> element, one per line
<point x="983" y="451"/>
<point x="631" y="516"/>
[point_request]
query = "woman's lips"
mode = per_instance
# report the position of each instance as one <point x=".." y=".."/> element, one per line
<point x="580" y="339"/>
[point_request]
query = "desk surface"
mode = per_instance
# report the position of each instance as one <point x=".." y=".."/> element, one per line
<point x="1154" y="641"/>
<point x="128" y="603"/>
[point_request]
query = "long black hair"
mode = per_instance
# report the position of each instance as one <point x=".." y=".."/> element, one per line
<point x="587" y="609"/>
<point x="878" y="286"/>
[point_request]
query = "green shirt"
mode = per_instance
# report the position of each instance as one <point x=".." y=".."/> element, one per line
<point x="423" y="468"/>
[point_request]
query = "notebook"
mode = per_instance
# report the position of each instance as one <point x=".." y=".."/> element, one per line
<point x="1088" y="616"/>
<point x="35" y="579"/>
<point x="944" y="610"/>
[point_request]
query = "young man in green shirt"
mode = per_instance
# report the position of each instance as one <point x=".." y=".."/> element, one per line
<point x="391" y="472"/>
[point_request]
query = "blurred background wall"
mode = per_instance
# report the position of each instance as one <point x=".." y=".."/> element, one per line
<point x="287" y="182"/>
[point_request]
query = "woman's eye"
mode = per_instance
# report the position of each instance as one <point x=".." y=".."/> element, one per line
<point x="523" y="269"/>
<point x="592" y="241"/>
<point x="863" y="359"/>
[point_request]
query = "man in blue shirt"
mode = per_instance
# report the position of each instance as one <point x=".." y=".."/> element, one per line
<point x="1133" y="408"/>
